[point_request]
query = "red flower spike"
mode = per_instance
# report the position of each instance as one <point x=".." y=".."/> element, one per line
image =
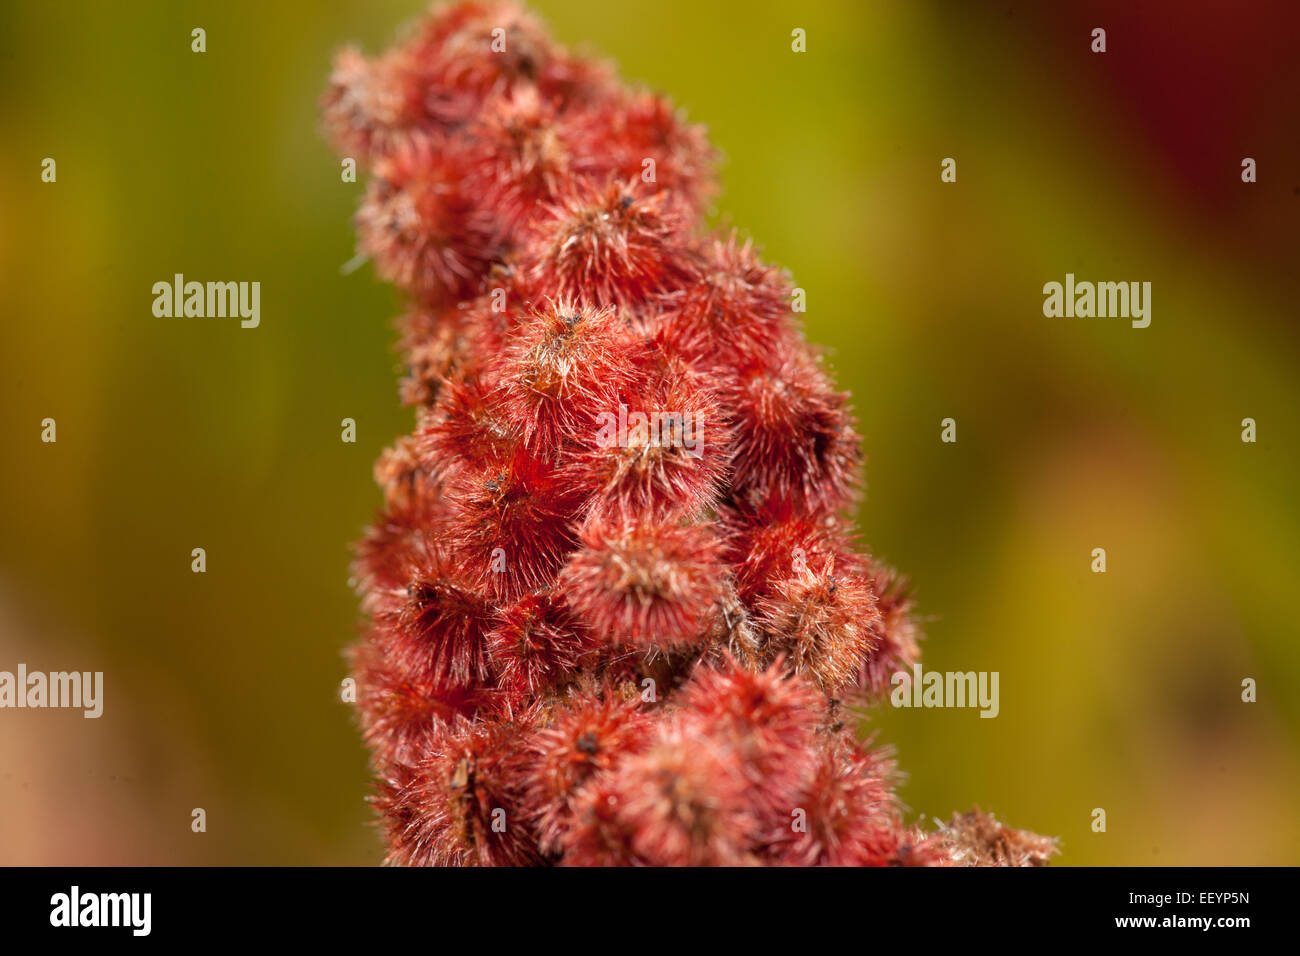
<point x="613" y="595"/>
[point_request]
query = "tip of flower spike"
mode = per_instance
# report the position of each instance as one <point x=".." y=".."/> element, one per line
<point x="448" y="72"/>
<point x="470" y="52"/>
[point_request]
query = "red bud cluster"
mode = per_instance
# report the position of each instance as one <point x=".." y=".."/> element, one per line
<point x="613" y="599"/>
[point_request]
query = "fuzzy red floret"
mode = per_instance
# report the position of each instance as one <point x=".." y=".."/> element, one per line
<point x="425" y="234"/>
<point x="664" y="451"/>
<point x="534" y="644"/>
<point x="466" y="430"/>
<point x="653" y="587"/>
<point x="433" y="629"/>
<point x="739" y="310"/>
<point x="768" y="721"/>
<point x="613" y="246"/>
<point x="680" y="803"/>
<point x="768" y="544"/>
<point x="399" y="712"/>
<point x="522" y="157"/>
<point x="635" y="127"/>
<point x="372" y="107"/>
<point x="822" y="623"/>
<point x="463" y="805"/>
<point x="510" y="525"/>
<point x="567" y="366"/>
<point x="589" y="735"/>
<point x="795" y="437"/>
<point x="851" y="816"/>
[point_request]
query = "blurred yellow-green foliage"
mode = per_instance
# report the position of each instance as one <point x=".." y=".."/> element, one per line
<point x="1119" y="691"/>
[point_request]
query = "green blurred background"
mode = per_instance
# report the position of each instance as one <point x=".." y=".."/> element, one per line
<point x="1119" y="691"/>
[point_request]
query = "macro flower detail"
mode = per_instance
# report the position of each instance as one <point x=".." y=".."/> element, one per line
<point x="615" y="613"/>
